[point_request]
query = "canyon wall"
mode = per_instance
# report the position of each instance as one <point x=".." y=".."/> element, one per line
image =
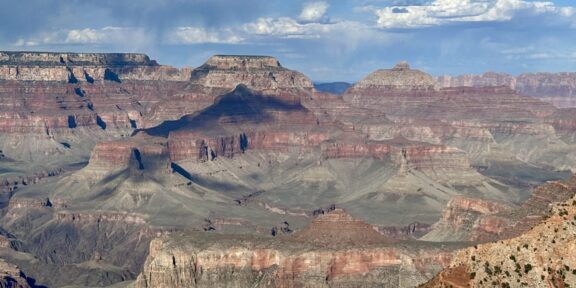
<point x="556" y="88"/>
<point x="195" y="261"/>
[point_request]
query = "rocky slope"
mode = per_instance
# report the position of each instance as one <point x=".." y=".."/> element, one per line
<point x="540" y="257"/>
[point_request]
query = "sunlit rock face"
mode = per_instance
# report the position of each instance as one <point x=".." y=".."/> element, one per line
<point x="84" y="67"/>
<point x="399" y="78"/>
<point x="260" y="73"/>
<point x="335" y="250"/>
<point x="469" y="219"/>
<point x="537" y="257"/>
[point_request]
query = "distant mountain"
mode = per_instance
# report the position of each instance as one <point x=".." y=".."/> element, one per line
<point x="332" y="87"/>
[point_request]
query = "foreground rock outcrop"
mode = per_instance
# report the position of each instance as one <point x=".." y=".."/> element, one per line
<point x="540" y="257"/>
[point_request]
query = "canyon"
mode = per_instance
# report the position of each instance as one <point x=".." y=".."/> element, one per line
<point x="119" y="171"/>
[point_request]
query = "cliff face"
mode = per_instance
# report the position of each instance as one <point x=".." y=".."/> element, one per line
<point x="260" y="73"/>
<point x="556" y="88"/>
<point x="138" y="153"/>
<point x="187" y="145"/>
<point x="190" y="262"/>
<point x="463" y="217"/>
<point x="84" y="67"/>
<point x="478" y="120"/>
<point x="53" y="97"/>
<point x="244" y="267"/>
<point x="468" y="219"/>
<point x="540" y="257"/>
<point x="399" y="78"/>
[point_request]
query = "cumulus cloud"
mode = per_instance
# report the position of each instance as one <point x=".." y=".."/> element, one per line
<point x="199" y="35"/>
<point x="313" y="11"/>
<point x="106" y="35"/>
<point x="285" y="27"/>
<point x="441" y="12"/>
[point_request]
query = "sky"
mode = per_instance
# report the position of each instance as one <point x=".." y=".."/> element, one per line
<point x="327" y="40"/>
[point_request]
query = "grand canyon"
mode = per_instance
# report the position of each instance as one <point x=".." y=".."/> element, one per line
<point x="118" y="171"/>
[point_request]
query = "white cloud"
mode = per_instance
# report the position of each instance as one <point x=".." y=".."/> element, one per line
<point x="441" y="12"/>
<point x="338" y="38"/>
<point x="286" y="27"/>
<point x="198" y="35"/>
<point x="106" y="35"/>
<point x="125" y="36"/>
<point x="313" y="11"/>
<point x="282" y="26"/>
<point x="553" y="55"/>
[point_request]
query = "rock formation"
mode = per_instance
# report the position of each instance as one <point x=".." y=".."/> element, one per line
<point x="556" y="88"/>
<point x="100" y="153"/>
<point x="466" y="219"/>
<point x="399" y="78"/>
<point x="84" y="67"/>
<point x="197" y="262"/>
<point x="260" y="73"/>
<point x="338" y="227"/>
<point x="12" y="277"/>
<point x="540" y="257"/>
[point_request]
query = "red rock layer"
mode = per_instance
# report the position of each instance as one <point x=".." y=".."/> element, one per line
<point x="556" y="88"/>
<point x="458" y="207"/>
<point x="489" y="221"/>
<point x="450" y="103"/>
<point x="196" y="146"/>
<point x="141" y="151"/>
<point x="260" y="73"/>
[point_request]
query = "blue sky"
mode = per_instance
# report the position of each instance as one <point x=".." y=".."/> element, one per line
<point x="327" y="40"/>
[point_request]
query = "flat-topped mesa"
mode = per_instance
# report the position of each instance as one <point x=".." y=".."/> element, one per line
<point x="75" y="59"/>
<point x="399" y="78"/>
<point x="339" y="227"/>
<point x="85" y="67"/>
<point x="260" y="73"/>
<point x="243" y="62"/>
